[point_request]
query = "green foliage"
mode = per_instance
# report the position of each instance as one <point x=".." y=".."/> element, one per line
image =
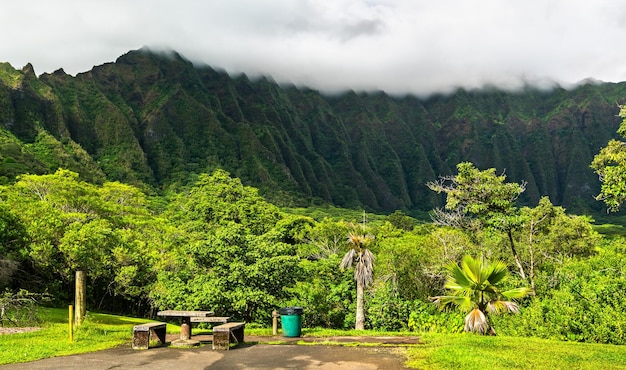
<point x="13" y="236"/>
<point x="325" y="292"/>
<point x="401" y="221"/>
<point x="610" y="165"/>
<point x="415" y="261"/>
<point x="159" y="120"/>
<point x="585" y="303"/>
<point x="482" y="195"/>
<point x="20" y="308"/>
<point x="387" y="310"/>
<point x="232" y="259"/>
<point x="425" y="318"/>
<point x="218" y="245"/>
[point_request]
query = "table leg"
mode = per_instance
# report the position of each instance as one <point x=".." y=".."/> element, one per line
<point x="185" y="328"/>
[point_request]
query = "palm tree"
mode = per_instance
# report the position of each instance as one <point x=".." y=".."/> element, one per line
<point x="475" y="287"/>
<point x="363" y="260"/>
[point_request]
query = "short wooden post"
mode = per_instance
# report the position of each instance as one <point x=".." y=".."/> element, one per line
<point x="71" y="323"/>
<point x="275" y="322"/>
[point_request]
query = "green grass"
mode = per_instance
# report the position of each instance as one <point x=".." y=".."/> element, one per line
<point x="467" y="351"/>
<point x="98" y="332"/>
<point x="438" y="351"/>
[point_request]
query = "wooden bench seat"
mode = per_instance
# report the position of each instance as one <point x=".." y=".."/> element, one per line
<point x="142" y="334"/>
<point x="222" y="334"/>
<point x="211" y="319"/>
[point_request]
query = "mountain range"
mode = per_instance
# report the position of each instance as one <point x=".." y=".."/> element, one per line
<point x="157" y="120"/>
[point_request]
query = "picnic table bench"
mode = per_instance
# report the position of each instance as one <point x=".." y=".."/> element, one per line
<point x="222" y="334"/>
<point x="142" y="334"/>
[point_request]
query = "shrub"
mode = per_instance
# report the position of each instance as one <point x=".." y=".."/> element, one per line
<point x="426" y="318"/>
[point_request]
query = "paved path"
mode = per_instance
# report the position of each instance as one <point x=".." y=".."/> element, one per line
<point x="247" y="356"/>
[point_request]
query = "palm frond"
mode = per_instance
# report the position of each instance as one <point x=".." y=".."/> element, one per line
<point x="458" y="276"/>
<point x="496" y="272"/>
<point x="516" y="293"/>
<point x="471" y="268"/>
<point x="476" y="321"/>
<point x="497" y="307"/>
<point x="364" y="269"/>
<point x="445" y="301"/>
<point x="348" y="258"/>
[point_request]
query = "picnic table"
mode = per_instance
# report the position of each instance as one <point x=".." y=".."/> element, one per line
<point x="185" y="326"/>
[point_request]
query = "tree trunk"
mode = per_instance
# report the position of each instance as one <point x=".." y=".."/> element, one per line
<point x="80" y="297"/>
<point x="360" y="314"/>
<point x="515" y="256"/>
<point x="531" y="252"/>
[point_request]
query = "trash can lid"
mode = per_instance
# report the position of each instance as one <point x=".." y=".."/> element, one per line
<point x="291" y="311"/>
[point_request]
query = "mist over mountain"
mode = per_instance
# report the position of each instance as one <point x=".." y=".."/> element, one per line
<point x="158" y="120"/>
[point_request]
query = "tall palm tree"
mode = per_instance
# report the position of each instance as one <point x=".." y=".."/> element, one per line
<point x="475" y="287"/>
<point x="363" y="260"/>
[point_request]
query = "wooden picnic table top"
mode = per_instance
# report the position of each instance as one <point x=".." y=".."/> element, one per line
<point x="181" y="313"/>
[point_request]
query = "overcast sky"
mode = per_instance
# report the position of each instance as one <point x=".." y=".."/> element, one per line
<point x="400" y="46"/>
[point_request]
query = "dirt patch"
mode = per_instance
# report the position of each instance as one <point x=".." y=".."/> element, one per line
<point x="4" y="330"/>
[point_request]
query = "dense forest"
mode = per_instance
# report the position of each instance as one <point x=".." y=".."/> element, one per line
<point x="157" y="120"/>
<point x="139" y="174"/>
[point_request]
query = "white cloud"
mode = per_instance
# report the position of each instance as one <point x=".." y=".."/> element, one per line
<point x="393" y="45"/>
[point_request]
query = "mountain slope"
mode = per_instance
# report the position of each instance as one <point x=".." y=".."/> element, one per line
<point x="157" y="119"/>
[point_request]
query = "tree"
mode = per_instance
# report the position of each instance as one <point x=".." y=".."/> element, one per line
<point x="74" y="226"/>
<point x="232" y="258"/>
<point x="476" y="289"/>
<point x="610" y="165"/>
<point x="363" y="260"/>
<point x="548" y="233"/>
<point x="13" y="241"/>
<point x="480" y="199"/>
<point x="324" y="238"/>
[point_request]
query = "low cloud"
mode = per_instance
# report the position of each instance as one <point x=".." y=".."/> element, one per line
<point x="400" y="46"/>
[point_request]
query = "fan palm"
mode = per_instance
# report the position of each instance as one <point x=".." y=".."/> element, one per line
<point x="363" y="260"/>
<point x="475" y="287"/>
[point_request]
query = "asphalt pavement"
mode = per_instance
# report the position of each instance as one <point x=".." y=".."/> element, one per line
<point x="255" y="354"/>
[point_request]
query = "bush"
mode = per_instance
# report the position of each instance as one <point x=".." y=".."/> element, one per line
<point x="426" y="318"/>
<point x="586" y="305"/>
<point x="326" y="294"/>
<point x="19" y="309"/>
<point x="387" y="311"/>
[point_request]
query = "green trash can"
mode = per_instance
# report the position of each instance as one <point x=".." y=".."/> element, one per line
<point x="291" y="321"/>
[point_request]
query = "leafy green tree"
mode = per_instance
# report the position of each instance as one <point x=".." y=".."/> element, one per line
<point x="585" y="302"/>
<point x="414" y="262"/>
<point x="324" y="238"/>
<point x="13" y="243"/>
<point x="324" y="291"/>
<point x="401" y="221"/>
<point x="362" y="258"/>
<point x="548" y="235"/>
<point x="610" y="165"/>
<point x="476" y="288"/>
<point x="232" y="257"/>
<point x="76" y="226"/>
<point x="480" y="199"/>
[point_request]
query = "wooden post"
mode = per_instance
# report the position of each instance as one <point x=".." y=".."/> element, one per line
<point x="71" y="321"/>
<point x="81" y="297"/>
<point x="274" y="322"/>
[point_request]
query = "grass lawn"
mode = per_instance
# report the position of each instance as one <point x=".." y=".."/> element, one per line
<point x="453" y="351"/>
<point x="468" y="351"/>
<point x="98" y="332"/>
